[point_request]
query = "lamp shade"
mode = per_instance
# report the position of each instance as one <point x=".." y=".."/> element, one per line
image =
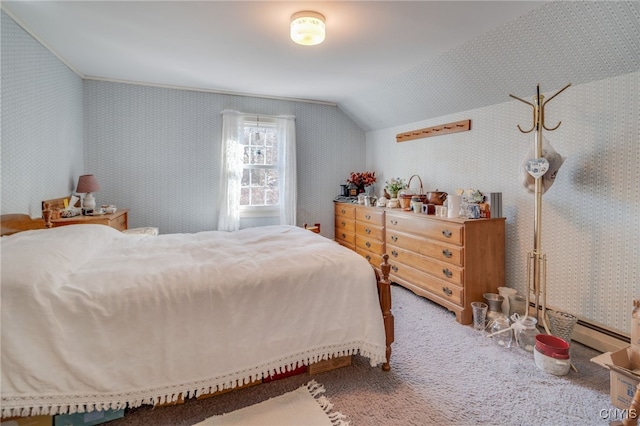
<point x="87" y="183"/>
<point x="307" y="28"/>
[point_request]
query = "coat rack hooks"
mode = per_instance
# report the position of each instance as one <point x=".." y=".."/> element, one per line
<point x="538" y="110"/>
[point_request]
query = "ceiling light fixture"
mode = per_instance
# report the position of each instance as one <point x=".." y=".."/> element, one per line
<point x="307" y="28"/>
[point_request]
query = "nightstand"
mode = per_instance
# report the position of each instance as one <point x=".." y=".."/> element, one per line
<point x="117" y="220"/>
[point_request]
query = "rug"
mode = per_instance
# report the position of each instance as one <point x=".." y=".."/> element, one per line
<point x="303" y="406"/>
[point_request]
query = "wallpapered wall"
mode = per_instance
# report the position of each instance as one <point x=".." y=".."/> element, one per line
<point x="42" y="144"/>
<point x="157" y="152"/>
<point x="590" y="216"/>
<point x="153" y="150"/>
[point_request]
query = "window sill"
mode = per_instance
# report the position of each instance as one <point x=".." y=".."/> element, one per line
<point x="259" y="212"/>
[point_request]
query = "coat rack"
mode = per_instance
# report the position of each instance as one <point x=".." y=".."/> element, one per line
<point x="537" y="260"/>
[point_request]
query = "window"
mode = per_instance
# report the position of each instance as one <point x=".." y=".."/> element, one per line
<point x="257" y="170"/>
<point x="259" y="185"/>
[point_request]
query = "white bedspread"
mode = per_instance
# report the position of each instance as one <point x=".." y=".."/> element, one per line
<point x="96" y="319"/>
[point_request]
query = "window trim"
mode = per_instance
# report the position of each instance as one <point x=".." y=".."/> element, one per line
<point x="260" y="211"/>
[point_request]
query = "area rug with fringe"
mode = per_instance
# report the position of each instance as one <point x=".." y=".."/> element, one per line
<point x="305" y="405"/>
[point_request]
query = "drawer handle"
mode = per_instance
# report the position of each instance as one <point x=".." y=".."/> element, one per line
<point x="367" y="230"/>
<point x="367" y="216"/>
<point x="394" y="238"/>
<point x="394" y="222"/>
<point x="447" y="273"/>
<point x="343" y="211"/>
<point x="343" y="223"/>
<point x="446" y="253"/>
<point x="447" y="291"/>
<point x="368" y="244"/>
<point x="446" y="233"/>
<point x="368" y="257"/>
<point x="395" y="268"/>
<point x="344" y="235"/>
<point x="394" y="253"/>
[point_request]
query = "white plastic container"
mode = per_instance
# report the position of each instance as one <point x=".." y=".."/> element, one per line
<point x="557" y="367"/>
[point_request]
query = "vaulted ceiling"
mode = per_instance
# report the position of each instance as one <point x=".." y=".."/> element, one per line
<point x="384" y="63"/>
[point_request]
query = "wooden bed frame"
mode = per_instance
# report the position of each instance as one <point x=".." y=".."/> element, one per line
<point x="13" y="223"/>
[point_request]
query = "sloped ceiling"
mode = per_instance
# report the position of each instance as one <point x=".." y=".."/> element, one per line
<point x="384" y="63"/>
<point x="559" y="43"/>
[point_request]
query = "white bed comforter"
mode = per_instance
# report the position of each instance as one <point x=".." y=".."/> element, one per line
<point x="96" y="319"/>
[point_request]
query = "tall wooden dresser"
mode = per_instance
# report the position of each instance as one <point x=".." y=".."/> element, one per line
<point x="361" y="229"/>
<point x="451" y="261"/>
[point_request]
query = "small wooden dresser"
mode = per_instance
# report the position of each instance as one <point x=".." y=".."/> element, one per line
<point x="118" y="220"/>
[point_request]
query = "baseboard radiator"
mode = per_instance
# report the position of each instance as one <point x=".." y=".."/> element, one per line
<point x="599" y="338"/>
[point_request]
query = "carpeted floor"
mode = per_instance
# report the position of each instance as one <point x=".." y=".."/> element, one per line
<point x="442" y="373"/>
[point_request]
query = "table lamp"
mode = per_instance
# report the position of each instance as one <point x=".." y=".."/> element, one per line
<point x="86" y="185"/>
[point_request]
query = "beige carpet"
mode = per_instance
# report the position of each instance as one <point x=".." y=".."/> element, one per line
<point x="303" y="406"/>
<point x="442" y="373"/>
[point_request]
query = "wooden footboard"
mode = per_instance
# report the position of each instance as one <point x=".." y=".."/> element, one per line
<point x="384" y="293"/>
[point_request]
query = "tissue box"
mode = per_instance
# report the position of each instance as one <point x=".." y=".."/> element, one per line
<point x="87" y="419"/>
<point x="624" y="375"/>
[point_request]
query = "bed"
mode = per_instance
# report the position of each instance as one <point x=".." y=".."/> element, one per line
<point x="96" y="319"/>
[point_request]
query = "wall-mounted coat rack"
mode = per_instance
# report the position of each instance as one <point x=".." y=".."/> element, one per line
<point x="443" y="129"/>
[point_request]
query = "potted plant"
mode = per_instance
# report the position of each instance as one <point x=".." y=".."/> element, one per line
<point x="394" y="185"/>
<point x="362" y="180"/>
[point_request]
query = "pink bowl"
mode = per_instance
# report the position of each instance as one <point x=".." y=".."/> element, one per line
<point x="552" y="346"/>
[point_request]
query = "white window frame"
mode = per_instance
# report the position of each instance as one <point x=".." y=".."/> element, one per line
<point x="260" y="211"/>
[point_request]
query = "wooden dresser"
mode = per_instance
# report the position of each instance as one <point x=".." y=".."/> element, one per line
<point x="451" y="261"/>
<point x="118" y="220"/>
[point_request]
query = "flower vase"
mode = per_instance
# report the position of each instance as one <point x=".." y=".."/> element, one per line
<point x="368" y="190"/>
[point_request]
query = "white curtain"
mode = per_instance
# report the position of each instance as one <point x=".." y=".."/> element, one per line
<point x="232" y="165"/>
<point x="231" y="170"/>
<point x="286" y="131"/>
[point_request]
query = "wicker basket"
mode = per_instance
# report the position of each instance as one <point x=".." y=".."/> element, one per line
<point x="405" y="199"/>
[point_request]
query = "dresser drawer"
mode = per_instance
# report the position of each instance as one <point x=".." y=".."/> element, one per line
<point x="371" y="244"/>
<point x="346" y="244"/>
<point x="346" y="224"/>
<point x="373" y="258"/>
<point x="347" y="237"/>
<point x="444" y="252"/>
<point x="440" y="230"/>
<point x="426" y="282"/>
<point x="375" y="232"/>
<point x="445" y="272"/>
<point x="370" y="216"/>
<point x="119" y="223"/>
<point x="346" y="210"/>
